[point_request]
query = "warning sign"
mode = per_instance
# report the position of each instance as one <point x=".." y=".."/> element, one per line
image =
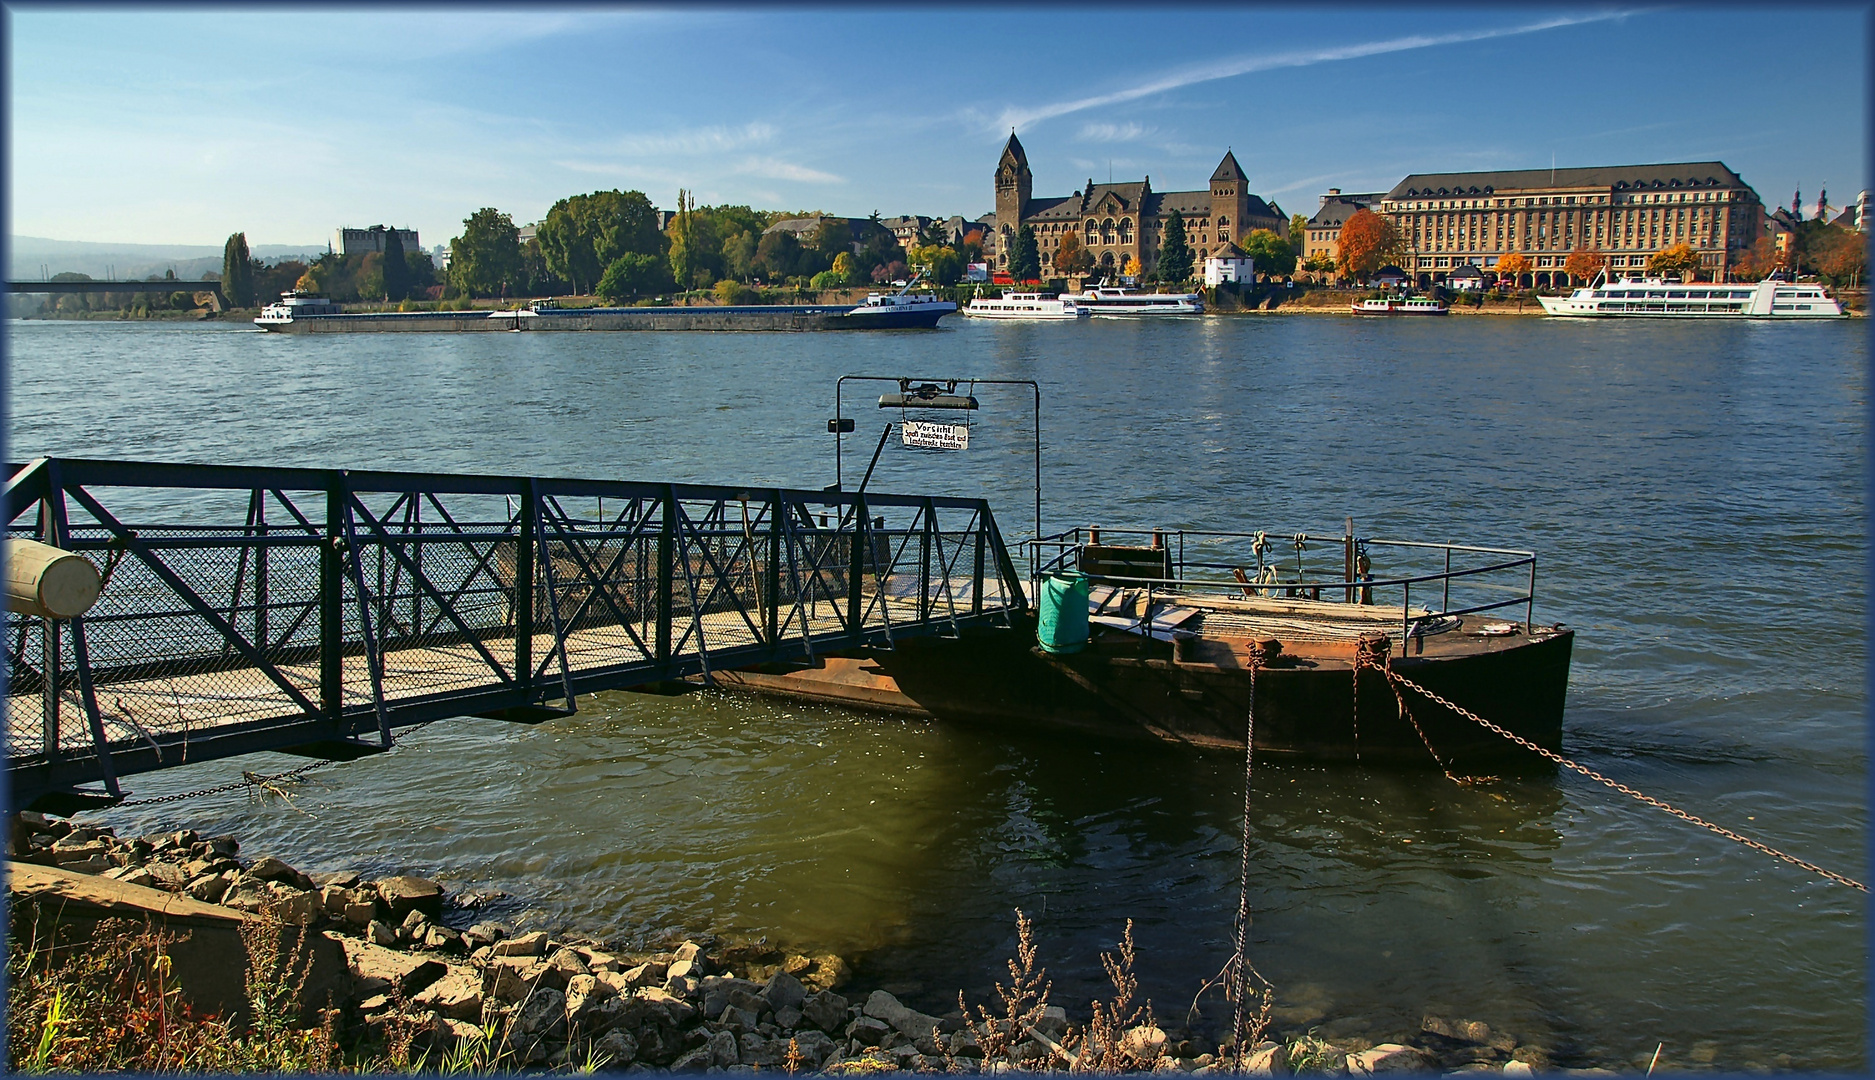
<point x="930" y="436"/>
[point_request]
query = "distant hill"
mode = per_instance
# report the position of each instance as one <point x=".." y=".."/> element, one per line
<point x="31" y="257"/>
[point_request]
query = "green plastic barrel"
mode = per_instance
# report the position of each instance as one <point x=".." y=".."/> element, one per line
<point x="1062" y="622"/>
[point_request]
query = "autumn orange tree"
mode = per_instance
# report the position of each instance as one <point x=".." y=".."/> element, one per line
<point x="1584" y="263"/>
<point x="1512" y="266"/>
<point x="1367" y="241"/>
<point x="1072" y="258"/>
<point x="1840" y="255"/>
<point x="1757" y="264"/>
<point x="1680" y="259"/>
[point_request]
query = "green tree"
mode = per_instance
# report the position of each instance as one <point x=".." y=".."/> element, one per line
<point x="1272" y="253"/>
<point x="583" y="235"/>
<point x="1298" y="231"/>
<point x="632" y="275"/>
<point x="739" y="254"/>
<point x="486" y="259"/>
<point x="777" y="256"/>
<point x="396" y="268"/>
<point x="1174" y="250"/>
<point x="237" y="272"/>
<point x="1025" y="263"/>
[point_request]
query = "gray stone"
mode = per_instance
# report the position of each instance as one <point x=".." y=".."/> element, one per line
<point x="715" y="990"/>
<point x="381" y="934"/>
<point x="722" y="1050"/>
<point x="906" y="1056"/>
<point x="1054" y="1022"/>
<point x="407" y="893"/>
<point x="569" y="961"/>
<point x="787" y="1018"/>
<point x="361" y="914"/>
<point x="584" y="993"/>
<point x="689" y="950"/>
<point x="543" y="1013"/>
<point x="336" y="879"/>
<point x="1263" y="1059"/>
<point x="486" y="933"/>
<point x="693" y="1060"/>
<point x="736" y="1020"/>
<point x="683" y="988"/>
<point x="533" y="944"/>
<point x="757" y="1050"/>
<point x="412" y="923"/>
<point x="884" y="1006"/>
<point x="965" y="1045"/>
<point x="784" y="991"/>
<point x="648" y="974"/>
<point x="209" y="888"/>
<point x="457" y="995"/>
<point x="618" y="1049"/>
<point x="136" y="875"/>
<point x="295" y="909"/>
<point x="815" y="1046"/>
<point x="1520" y="1068"/>
<point x="441" y="938"/>
<point x="868" y="1030"/>
<point x="1390" y="1057"/>
<point x="268" y="868"/>
<point x="825" y="1010"/>
<point x="380" y="970"/>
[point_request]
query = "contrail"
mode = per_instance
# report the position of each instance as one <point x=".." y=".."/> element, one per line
<point x="1243" y="65"/>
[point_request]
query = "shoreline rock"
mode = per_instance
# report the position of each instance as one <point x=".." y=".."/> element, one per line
<point x="701" y="1004"/>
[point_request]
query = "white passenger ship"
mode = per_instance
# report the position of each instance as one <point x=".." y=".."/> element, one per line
<point x="1119" y="302"/>
<point x="1659" y="298"/>
<point x="1026" y="306"/>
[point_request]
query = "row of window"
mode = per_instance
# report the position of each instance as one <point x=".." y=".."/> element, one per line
<point x="1567" y="200"/>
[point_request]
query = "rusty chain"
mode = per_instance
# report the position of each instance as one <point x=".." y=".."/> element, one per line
<point x="1240" y="964"/>
<point x="248" y="780"/>
<point x="1693" y="819"/>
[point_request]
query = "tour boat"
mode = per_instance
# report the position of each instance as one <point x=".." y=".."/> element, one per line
<point x="1184" y="628"/>
<point x="294" y="304"/>
<point x="1118" y="302"/>
<point x="1399" y="305"/>
<point x="1025" y="306"/>
<point x="901" y="310"/>
<point x="1659" y="298"/>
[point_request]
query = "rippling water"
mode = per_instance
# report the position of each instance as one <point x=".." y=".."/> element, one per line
<point x="1695" y="493"/>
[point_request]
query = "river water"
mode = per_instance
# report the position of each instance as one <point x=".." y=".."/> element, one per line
<point x="1695" y="493"/>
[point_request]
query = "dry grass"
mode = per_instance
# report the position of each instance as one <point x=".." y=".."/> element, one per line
<point x="110" y="1005"/>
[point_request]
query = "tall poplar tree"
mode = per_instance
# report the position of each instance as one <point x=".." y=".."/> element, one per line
<point x="1174" y="250"/>
<point x="237" y="272"/>
<point x="396" y="270"/>
<point x="1025" y="263"/>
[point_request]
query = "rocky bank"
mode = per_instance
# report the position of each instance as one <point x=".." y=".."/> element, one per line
<point x="540" y="1001"/>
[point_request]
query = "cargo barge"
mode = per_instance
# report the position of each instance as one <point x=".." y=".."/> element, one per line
<point x="1172" y="641"/>
<point x="298" y="313"/>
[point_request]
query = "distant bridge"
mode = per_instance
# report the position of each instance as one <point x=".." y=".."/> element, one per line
<point x="314" y="611"/>
<point x="167" y="286"/>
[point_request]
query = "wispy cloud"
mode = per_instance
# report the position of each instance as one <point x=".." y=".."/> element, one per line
<point x="1020" y="117"/>
<point x="1126" y="132"/>
<point x="705" y="140"/>
<point x="769" y="168"/>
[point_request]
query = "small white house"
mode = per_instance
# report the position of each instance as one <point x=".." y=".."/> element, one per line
<point x="1230" y="264"/>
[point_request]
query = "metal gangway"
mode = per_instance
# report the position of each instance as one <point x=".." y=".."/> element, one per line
<point x="317" y="611"/>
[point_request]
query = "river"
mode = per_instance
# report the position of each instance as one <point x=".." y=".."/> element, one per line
<point x="1695" y="493"/>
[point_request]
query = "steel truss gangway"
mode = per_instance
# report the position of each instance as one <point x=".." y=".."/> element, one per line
<point x="317" y="611"/>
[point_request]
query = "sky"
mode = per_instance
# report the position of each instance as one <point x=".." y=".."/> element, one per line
<point x="183" y="125"/>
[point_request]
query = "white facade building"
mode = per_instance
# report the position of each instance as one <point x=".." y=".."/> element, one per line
<point x="1230" y="264"/>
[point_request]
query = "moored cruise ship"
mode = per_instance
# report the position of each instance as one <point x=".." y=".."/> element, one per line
<point x="1118" y="302"/>
<point x="1026" y="306"/>
<point x="1658" y="298"/>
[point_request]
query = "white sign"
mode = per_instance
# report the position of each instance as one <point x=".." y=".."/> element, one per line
<point x="934" y="436"/>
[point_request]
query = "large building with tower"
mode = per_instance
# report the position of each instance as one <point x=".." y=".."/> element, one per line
<point x="1117" y="222"/>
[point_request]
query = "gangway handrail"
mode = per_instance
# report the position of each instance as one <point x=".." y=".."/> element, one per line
<point x="317" y="610"/>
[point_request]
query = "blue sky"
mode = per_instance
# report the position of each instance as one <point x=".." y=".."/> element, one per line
<point x="184" y="125"/>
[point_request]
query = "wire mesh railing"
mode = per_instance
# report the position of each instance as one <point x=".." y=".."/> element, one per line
<point x="251" y="608"/>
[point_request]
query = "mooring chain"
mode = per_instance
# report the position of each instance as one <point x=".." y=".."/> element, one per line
<point x="1240" y="964"/>
<point x="249" y="780"/>
<point x="1626" y="790"/>
<point x="1375" y="651"/>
